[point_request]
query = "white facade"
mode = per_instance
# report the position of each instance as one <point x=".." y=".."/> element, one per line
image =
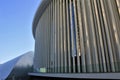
<point x="77" y="36"/>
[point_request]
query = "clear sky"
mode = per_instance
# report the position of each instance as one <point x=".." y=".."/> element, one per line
<point x="16" y="18"/>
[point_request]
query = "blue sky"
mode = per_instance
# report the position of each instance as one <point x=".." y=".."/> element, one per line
<point x="16" y="18"/>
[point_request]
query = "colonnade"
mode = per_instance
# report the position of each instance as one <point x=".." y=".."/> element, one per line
<point x="79" y="36"/>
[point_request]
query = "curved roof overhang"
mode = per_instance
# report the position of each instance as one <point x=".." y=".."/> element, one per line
<point x="38" y="14"/>
<point x="22" y="61"/>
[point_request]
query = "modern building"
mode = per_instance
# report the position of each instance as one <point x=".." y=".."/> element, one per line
<point x="17" y="68"/>
<point x="77" y="36"/>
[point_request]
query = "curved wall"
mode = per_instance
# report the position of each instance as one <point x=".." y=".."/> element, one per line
<point x="73" y="36"/>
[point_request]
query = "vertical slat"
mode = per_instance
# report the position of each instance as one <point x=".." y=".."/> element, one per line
<point x="97" y="51"/>
<point x="55" y="38"/>
<point x="117" y="20"/>
<point x="82" y="50"/>
<point x="48" y="42"/>
<point x="61" y="37"/>
<point x="73" y="47"/>
<point x="87" y="43"/>
<point x="45" y="40"/>
<point x="115" y="32"/>
<point x="108" y="36"/>
<point x="57" y="55"/>
<point x="58" y="35"/>
<point x="93" y="46"/>
<point x="53" y="25"/>
<point x="49" y="39"/>
<point x="104" y="37"/>
<point x="111" y="33"/>
<point x="52" y="53"/>
<point x="68" y="37"/>
<point x="77" y="37"/>
<point x="64" y="32"/>
<point x="41" y="43"/>
<point x="50" y="36"/>
<point x="101" y="53"/>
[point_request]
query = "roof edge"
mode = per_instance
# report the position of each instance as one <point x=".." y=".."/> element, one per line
<point x="43" y="5"/>
<point x="78" y="75"/>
